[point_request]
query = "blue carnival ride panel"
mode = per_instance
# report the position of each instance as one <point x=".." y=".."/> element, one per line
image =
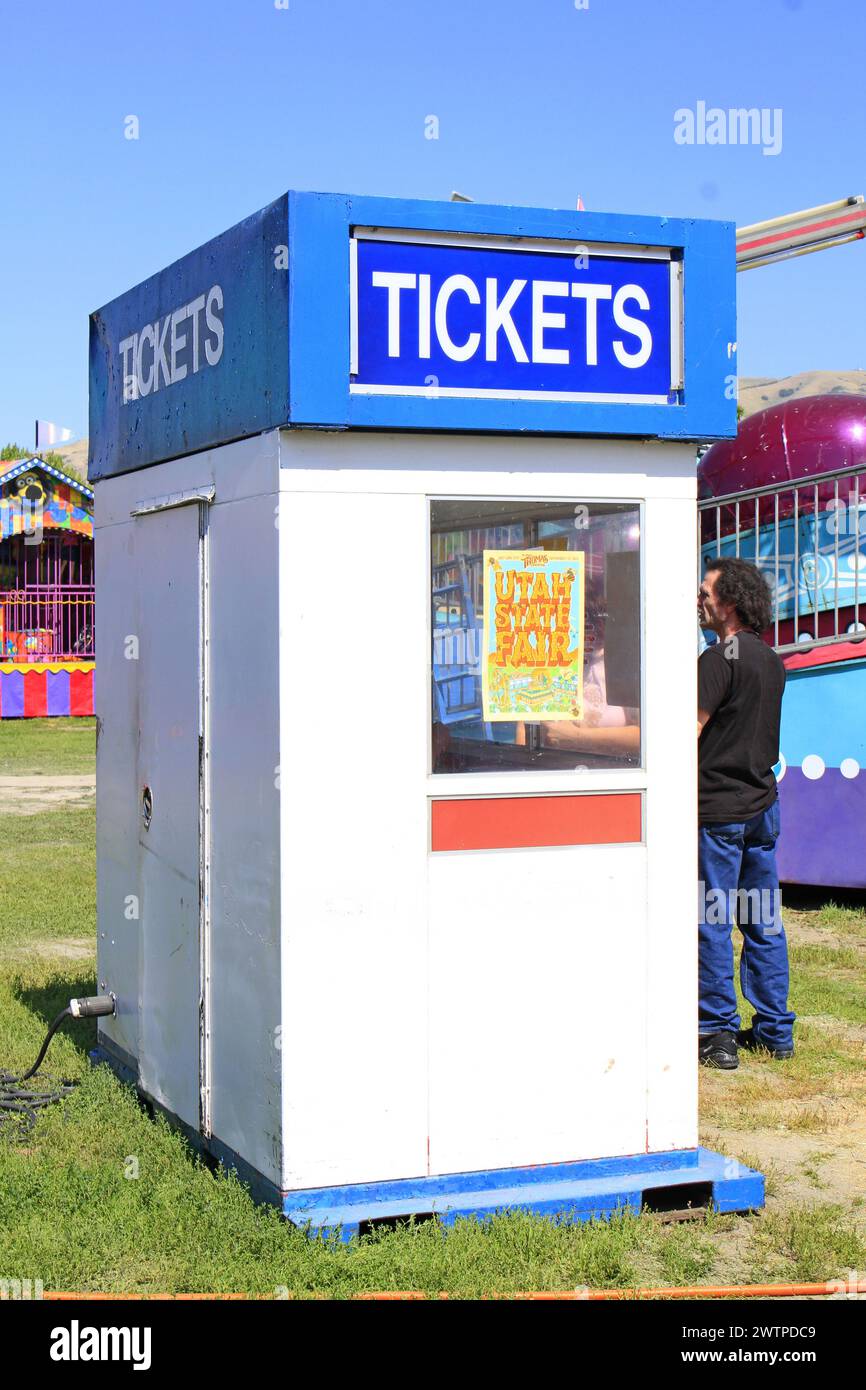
<point x="627" y="324"/>
<point x="821" y="570"/>
<point x="822" y="712"/>
<point x="813" y="563"/>
<point x="822" y="773"/>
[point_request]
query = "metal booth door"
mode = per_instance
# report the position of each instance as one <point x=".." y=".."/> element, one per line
<point x="171" y="545"/>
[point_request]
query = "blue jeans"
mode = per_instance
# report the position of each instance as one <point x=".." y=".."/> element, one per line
<point x="739" y="884"/>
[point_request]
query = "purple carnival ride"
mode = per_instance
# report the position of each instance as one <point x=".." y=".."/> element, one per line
<point x="789" y="494"/>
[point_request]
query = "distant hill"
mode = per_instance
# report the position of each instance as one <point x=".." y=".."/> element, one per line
<point x="760" y="392"/>
<point x="74" y="456"/>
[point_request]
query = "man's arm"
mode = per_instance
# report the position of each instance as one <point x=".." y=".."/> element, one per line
<point x="714" y="682"/>
<point x="567" y="733"/>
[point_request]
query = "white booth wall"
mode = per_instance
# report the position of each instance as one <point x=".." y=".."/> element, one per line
<point x="377" y="1010"/>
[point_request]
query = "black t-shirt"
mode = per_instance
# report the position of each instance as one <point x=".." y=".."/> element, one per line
<point x="740" y="684"/>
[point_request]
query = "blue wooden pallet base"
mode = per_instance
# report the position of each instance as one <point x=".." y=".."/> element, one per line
<point x="563" y="1191"/>
<point x="566" y="1191"/>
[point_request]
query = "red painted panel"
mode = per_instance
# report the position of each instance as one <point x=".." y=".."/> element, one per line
<point x="825" y="656"/>
<point x="520" y="822"/>
<point x="81" y="692"/>
<point x="35" y="695"/>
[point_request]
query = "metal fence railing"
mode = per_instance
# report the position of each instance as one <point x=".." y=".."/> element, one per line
<point x="39" y="624"/>
<point x="808" y="537"/>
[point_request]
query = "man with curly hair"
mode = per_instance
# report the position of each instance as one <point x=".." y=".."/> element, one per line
<point x="740" y="685"/>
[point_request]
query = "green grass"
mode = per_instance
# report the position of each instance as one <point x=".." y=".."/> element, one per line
<point x="50" y="747"/>
<point x="797" y="1245"/>
<point x="47" y="877"/>
<point x="843" y="921"/>
<point x="103" y="1198"/>
<point x="838" y="994"/>
<point x="818" y="1087"/>
<point x="100" y="1196"/>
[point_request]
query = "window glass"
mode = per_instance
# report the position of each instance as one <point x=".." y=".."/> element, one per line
<point x="551" y="679"/>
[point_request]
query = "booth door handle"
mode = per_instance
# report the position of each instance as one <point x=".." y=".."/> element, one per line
<point x="147" y="807"/>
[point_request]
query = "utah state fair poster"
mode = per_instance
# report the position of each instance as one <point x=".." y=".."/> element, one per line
<point x="533" y="634"/>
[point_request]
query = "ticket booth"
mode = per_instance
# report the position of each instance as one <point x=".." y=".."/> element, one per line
<point x="396" y="774"/>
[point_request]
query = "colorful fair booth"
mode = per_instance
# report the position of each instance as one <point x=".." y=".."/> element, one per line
<point x="46" y="592"/>
<point x="396" y="789"/>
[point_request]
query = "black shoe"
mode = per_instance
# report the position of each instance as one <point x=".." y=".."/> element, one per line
<point x="746" y="1038"/>
<point x="718" y="1050"/>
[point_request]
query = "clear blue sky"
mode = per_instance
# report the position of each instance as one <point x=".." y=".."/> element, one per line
<point x="537" y="101"/>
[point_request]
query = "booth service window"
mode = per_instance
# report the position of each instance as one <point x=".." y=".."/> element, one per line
<point x="536" y="635"/>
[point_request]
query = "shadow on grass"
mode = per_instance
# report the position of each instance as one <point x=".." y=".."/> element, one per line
<point x="803" y="897"/>
<point x="48" y="1000"/>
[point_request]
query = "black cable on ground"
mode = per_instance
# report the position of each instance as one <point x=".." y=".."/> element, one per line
<point x="20" y="1104"/>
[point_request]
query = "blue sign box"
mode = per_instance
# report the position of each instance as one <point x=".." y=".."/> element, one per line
<point x="331" y="311"/>
<point x="196" y="355"/>
<point x="524" y="324"/>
